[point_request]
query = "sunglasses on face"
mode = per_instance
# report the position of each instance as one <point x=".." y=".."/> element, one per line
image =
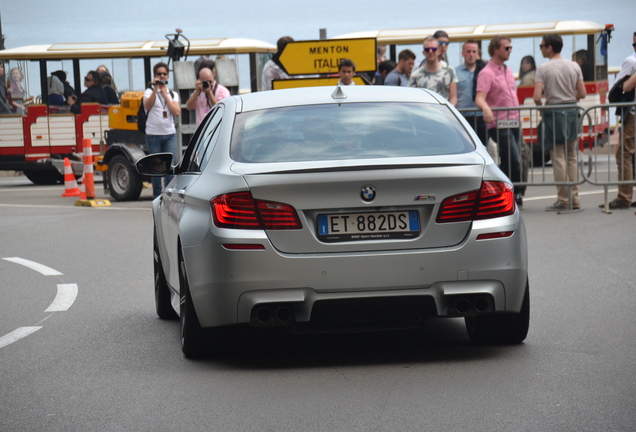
<point x="440" y="43"/>
<point x="508" y="48"/>
<point x="162" y="74"/>
<point x="634" y="44"/>
<point x="88" y="79"/>
<point x="542" y="46"/>
<point x="430" y="49"/>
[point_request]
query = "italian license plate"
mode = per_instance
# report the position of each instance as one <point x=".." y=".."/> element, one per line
<point x="368" y="226"/>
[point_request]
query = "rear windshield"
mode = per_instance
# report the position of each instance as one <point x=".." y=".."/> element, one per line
<point x="347" y="131"/>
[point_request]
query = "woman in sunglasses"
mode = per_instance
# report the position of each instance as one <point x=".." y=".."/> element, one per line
<point x="93" y="93"/>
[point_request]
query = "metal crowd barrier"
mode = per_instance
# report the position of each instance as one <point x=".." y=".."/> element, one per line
<point x="533" y="140"/>
<point x="613" y="165"/>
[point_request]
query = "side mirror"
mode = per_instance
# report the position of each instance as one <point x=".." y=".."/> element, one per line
<point x="155" y="165"/>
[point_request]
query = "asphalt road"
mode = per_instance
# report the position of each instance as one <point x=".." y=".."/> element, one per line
<point x="96" y="357"/>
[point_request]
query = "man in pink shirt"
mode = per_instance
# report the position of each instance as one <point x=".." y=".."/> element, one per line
<point x="496" y="88"/>
<point x="206" y="93"/>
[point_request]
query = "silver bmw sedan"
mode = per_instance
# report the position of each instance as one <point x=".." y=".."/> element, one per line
<point x="347" y="208"/>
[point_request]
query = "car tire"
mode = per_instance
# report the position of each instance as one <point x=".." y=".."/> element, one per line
<point x="162" y="291"/>
<point x="44" y="177"/>
<point x="191" y="331"/>
<point x="123" y="180"/>
<point x="509" y="328"/>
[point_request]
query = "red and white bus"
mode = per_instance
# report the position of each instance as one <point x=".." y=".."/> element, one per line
<point x="37" y="141"/>
<point x="587" y="40"/>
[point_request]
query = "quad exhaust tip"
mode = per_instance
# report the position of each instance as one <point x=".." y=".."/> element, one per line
<point x="272" y="315"/>
<point x="470" y="305"/>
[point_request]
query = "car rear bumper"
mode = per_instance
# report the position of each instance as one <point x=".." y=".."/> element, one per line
<point x="227" y="290"/>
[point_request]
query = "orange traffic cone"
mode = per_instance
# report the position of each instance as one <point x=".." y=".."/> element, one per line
<point x="82" y="191"/>
<point x="70" y="184"/>
<point x="89" y="178"/>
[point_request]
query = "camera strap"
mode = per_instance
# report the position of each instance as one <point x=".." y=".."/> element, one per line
<point x="216" y="85"/>
<point x="164" y="103"/>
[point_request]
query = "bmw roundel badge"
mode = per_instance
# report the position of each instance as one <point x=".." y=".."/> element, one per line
<point x="368" y="193"/>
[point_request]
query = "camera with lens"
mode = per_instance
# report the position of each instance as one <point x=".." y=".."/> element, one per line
<point x="160" y="82"/>
<point x="206" y="84"/>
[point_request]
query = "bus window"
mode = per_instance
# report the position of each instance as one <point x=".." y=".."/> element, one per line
<point x="599" y="41"/>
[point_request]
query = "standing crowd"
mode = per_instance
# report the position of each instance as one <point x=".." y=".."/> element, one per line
<point x="481" y="90"/>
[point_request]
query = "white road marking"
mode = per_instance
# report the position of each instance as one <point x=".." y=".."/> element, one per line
<point x="40" y="268"/>
<point x="66" y="295"/>
<point x="31" y="189"/>
<point x="16" y="335"/>
<point x="537" y="198"/>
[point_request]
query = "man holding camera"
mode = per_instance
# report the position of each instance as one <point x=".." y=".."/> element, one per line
<point x="206" y="93"/>
<point x="162" y="106"/>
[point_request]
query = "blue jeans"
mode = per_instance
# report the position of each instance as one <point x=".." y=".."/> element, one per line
<point x="162" y="144"/>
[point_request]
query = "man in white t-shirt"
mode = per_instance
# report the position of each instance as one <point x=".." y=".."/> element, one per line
<point x="162" y="106"/>
<point x="625" y="152"/>
<point x="346" y="71"/>
<point x="562" y="82"/>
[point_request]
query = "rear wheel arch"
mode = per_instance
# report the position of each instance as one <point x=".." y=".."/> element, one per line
<point x="502" y="328"/>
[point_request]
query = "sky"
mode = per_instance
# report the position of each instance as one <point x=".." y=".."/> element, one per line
<point x="32" y="22"/>
<point x="28" y="22"/>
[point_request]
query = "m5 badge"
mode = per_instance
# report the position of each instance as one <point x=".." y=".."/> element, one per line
<point x="430" y="197"/>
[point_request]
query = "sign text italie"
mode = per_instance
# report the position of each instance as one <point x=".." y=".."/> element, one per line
<point x="324" y="56"/>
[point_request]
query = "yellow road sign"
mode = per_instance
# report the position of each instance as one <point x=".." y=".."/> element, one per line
<point x="323" y="56"/>
<point x="311" y="82"/>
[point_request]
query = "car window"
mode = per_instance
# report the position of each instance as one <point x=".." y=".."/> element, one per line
<point x="347" y="131"/>
<point x="196" y="155"/>
<point x="214" y="128"/>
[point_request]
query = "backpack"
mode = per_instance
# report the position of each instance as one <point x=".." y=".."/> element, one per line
<point x="141" y="118"/>
<point x="479" y="66"/>
<point x="142" y="115"/>
<point x="616" y="95"/>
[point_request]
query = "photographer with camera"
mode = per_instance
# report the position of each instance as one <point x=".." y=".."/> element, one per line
<point x="206" y="93"/>
<point x="162" y="106"/>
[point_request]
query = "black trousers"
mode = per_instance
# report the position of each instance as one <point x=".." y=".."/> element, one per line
<point x="479" y="126"/>
<point x="507" y="141"/>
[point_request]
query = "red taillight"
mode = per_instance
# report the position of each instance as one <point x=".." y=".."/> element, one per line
<point x="235" y="210"/>
<point x="497" y="199"/>
<point x="458" y="208"/>
<point x="277" y="216"/>
<point x="494" y="199"/>
<point x="240" y="211"/>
